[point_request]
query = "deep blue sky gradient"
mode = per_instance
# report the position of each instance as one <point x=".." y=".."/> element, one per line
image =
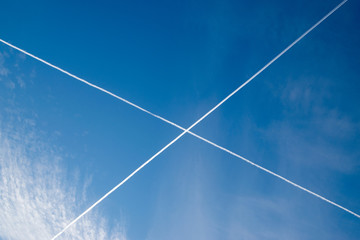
<point x="300" y="118"/>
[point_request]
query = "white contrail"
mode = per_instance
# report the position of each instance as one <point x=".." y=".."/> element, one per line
<point x="188" y="130"/>
<point x="203" y="117"/>
<point x="155" y="115"/>
<point x="276" y="175"/>
<point x="84" y="81"/>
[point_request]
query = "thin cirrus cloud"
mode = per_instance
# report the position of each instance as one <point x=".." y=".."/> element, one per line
<point x="3" y="70"/>
<point x="36" y="195"/>
<point x="315" y="131"/>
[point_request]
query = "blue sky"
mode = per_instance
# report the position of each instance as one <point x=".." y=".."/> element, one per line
<point x="63" y="144"/>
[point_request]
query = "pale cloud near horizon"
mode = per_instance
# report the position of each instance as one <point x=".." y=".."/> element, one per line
<point x="193" y="206"/>
<point x="182" y="210"/>
<point x="38" y="196"/>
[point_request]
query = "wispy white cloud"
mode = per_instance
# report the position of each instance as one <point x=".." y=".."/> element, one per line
<point x="38" y="196"/>
<point x="314" y="132"/>
<point x="4" y="71"/>
<point x="313" y="98"/>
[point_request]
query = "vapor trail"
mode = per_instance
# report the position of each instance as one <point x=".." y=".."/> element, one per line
<point x="193" y="125"/>
<point x="208" y="113"/>
<point x="276" y="175"/>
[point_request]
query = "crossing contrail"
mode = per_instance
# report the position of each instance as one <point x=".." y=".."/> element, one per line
<point x="193" y="125"/>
